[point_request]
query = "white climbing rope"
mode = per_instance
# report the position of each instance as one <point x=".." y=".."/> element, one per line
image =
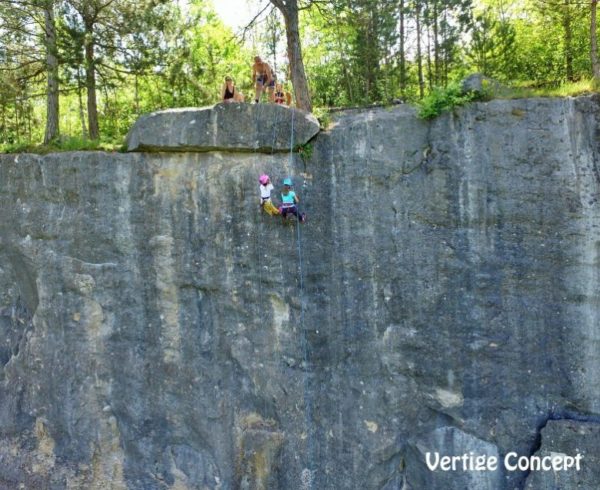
<point x="308" y="472"/>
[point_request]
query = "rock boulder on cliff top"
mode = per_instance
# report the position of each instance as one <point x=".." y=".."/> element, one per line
<point x="229" y="127"/>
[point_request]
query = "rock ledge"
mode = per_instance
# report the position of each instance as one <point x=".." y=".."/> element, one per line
<point x="226" y="127"/>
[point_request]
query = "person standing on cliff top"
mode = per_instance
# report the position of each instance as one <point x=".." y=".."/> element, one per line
<point x="262" y="77"/>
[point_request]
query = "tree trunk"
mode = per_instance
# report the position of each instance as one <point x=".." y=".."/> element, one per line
<point x="594" y="43"/>
<point x="446" y="50"/>
<point x="429" y="68"/>
<point x="3" y="126"/>
<point x="373" y="56"/>
<point x="436" y="44"/>
<point x="273" y="21"/>
<point x="18" y="133"/>
<point x="401" y="52"/>
<point x="568" y="41"/>
<point x="289" y="9"/>
<point x="345" y="70"/>
<point x="427" y="21"/>
<point x="29" y="114"/>
<point x="81" y="111"/>
<point x="90" y="83"/>
<point x="137" y="95"/>
<point x="52" y="103"/>
<point x="367" y="60"/>
<point x="419" y="56"/>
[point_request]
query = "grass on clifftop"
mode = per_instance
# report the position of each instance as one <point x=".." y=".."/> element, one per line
<point x="441" y="100"/>
<point x="66" y="143"/>
<point x="571" y="89"/>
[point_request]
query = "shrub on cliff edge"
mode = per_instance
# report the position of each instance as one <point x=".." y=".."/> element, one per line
<point x="441" y="100"/>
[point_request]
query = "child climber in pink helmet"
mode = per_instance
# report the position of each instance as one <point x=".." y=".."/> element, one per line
<point x="265" y="195"/>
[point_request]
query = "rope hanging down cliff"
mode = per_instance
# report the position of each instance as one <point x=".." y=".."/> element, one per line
<point x="308" y="473"/>
<point x="307" y="476"/>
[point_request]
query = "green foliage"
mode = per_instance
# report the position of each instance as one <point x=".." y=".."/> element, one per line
<point x="360" y="52"/>
<point x="492" y="47"/>
<point x="305" y="151"/>
<point x="441" y="100"/>
<point x="205" y="51"/>
<point x="323" y="116"/>
<point x="156" y="54"/>
<point x="551" y="42"/>
<point x="149" y="55"/>
<point x="71" y="143"/>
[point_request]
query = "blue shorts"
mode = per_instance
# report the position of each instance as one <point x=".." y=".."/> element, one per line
<point x="262" y="80"/>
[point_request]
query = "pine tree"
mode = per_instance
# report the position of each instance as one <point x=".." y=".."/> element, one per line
<point x="28" y="34"/>
<point x="109" y="32"/>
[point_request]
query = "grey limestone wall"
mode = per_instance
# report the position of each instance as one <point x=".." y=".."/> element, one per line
<point x="158" y="332"/>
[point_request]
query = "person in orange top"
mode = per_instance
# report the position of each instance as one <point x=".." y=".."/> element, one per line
<point x="279" y="95"/>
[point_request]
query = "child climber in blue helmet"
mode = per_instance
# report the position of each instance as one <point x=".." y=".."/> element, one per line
<point x="289" y="202"/>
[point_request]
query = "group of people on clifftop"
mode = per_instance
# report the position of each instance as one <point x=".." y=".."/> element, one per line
<point x="264" y="79"/>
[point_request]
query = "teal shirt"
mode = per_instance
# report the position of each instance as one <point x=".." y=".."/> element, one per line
<point x="289" y="198"/>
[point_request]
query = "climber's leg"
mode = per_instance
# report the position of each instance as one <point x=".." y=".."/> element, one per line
<point x="285" y="210"/>
<point x="270" y="209"/>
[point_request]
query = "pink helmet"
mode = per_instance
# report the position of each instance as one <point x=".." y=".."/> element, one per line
<point x="263" y="179"/>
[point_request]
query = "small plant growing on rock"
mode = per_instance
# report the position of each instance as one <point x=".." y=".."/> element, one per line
<point x="440" y="100"/>
<point x="305" y="151"/>
<point x="323" y="116"/>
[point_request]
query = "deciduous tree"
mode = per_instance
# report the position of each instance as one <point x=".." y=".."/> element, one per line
<point x="289" y="9"/>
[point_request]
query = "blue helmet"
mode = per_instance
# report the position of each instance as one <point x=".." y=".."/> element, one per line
<point x="287" y="181"/>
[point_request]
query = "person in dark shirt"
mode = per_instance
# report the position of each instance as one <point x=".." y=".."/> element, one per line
<point x="229" y="93"/>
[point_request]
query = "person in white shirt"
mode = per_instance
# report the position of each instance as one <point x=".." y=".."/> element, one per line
<point x="265" y="195"/>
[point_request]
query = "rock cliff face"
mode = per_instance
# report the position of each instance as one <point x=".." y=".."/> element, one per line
<point x="157" y="331"/>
